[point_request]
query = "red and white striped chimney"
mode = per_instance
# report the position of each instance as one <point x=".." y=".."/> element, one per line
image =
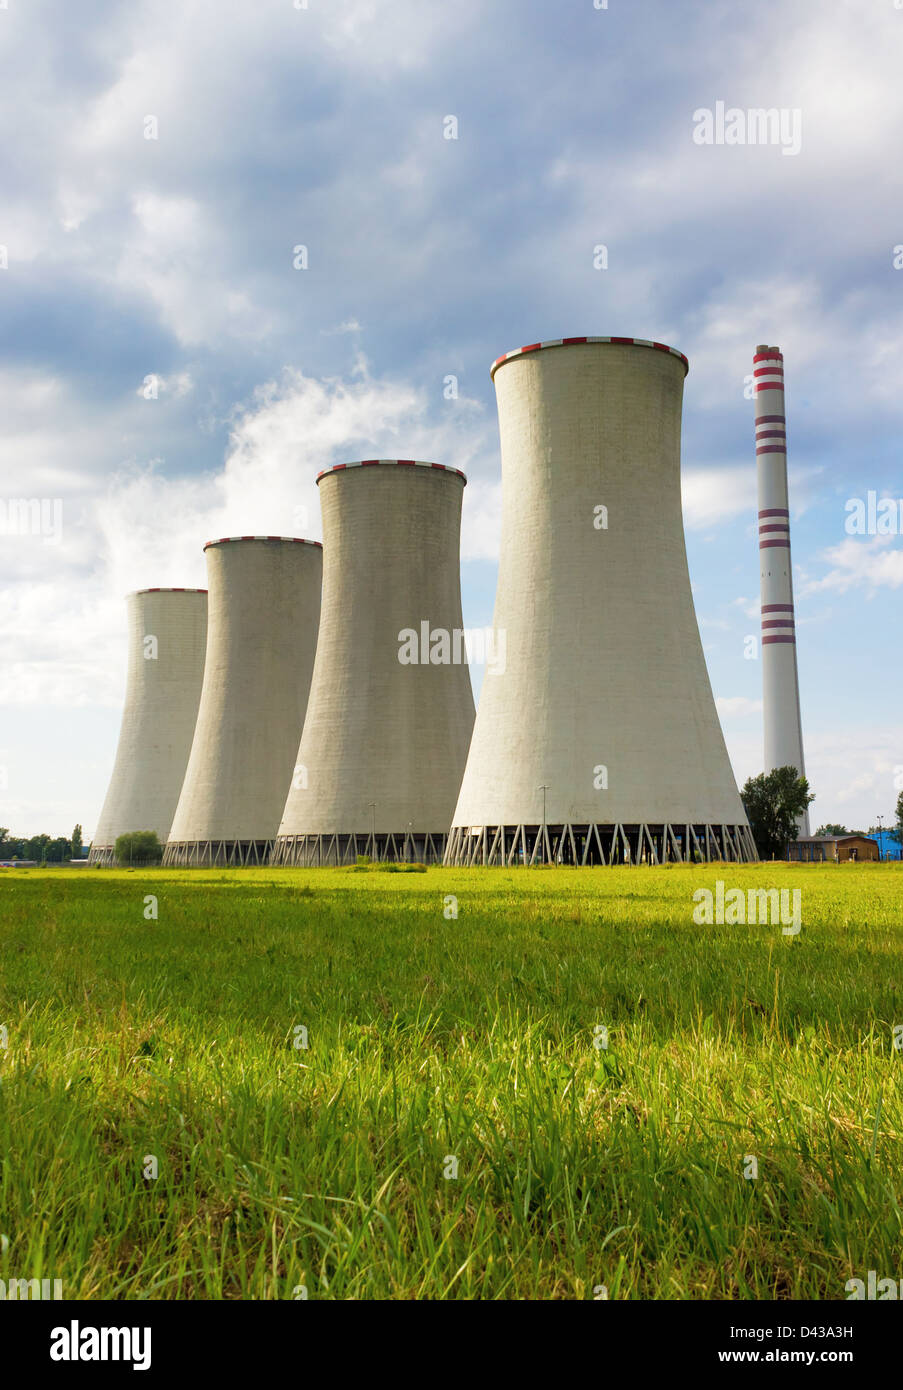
<point x="780" y="679"/>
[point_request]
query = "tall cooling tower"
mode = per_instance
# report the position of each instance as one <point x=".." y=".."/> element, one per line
<point x="391" y="709"/>
<point x="167" y="636"/>
<point x="780" y="680"/>
<point x="599" y="741"/>
<point x="264" y="614"/>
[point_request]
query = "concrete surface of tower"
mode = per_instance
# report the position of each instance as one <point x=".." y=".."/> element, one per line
<point x="780" y="677"/>
<point x="600" y="742"/>
<point x="391" y="708"/>
<point x="167" y="633"/>
<point x="264" y="610"/>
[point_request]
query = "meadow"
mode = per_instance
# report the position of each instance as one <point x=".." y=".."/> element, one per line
<point x="324" y="1084"/>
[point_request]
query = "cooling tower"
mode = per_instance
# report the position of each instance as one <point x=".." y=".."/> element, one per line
<point x="780" y="680"/>
<point x="264" y="612"/>
<point x="167" y="635"/>
<point x="391" y="709"/>
<point x="599" y="741"/>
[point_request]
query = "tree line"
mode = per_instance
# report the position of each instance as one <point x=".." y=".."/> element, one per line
<point x="45" y="849"/>
<point x="775" y="801"/>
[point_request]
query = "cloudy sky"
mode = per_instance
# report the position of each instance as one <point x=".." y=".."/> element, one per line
<point x="168" y="375"/>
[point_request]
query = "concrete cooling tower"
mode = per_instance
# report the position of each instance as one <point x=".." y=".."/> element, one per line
<point x="598" y="742"/>
<point x="167" y="637"/>
<point x="780" y="679"/>
<point x="264" y="614"/>
<point x="391" y="709"/>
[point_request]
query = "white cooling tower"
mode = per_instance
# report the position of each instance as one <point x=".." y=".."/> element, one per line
<point x="599" y="741"/>
<point x="264" y="614"/>
<point x="167" y="636"/>
<point x="391" y="709"/>
<point x="780" y="679"/>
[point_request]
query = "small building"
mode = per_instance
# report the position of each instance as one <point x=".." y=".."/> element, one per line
<point x="890" y="848"/>
<point x="835" y="849"/>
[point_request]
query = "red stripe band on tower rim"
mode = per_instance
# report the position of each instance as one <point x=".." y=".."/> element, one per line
<point x="570" y="342"/>
<point x="392" y="463"/>
<point x="766" y="640"/>
<point x="778" y="622"/>
<point x="771" y="420"/>
<point x="774" y="526"/>
<point x="283" y="540"/>
<point x="768" y="357"/>
<point x="765" y="545"/>
<point x="774" y="511"/>
<point x="769" y="386"/>
<point x="769" y="371"/>
<point x="769" y="432"/>
<point x="777" y="607"/>
<point x="771" y="449"/>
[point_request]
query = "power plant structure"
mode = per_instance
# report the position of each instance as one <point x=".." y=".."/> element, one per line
<point x="391" y="709"/>
<point x="167" y="633"/>
<point x="599" y="742"/>
<point x="264" y="605"/>
<point x="780" y="677"/>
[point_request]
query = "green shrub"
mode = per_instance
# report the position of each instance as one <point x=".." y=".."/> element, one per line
<point x="139" y="847"/>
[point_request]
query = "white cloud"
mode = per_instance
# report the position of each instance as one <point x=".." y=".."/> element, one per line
<point x="717" y="494"/>
<point x="854" y="776"/>
<point x="141" y="526"/>
<point x="871" y="565"/>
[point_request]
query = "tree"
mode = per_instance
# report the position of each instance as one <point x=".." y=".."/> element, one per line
<point x="77" y="843"/>
<point x="139" y="847"/>
<point x="897" y="832"/>
<point x="832" y="830"/>
<point x="774" y="802"/>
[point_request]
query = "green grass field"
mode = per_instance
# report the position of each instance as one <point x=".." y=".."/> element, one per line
<point x="432" y="1039"/>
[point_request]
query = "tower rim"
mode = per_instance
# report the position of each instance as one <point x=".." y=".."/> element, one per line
<point x="391" y="463"/>
<point x="579" y="342"/>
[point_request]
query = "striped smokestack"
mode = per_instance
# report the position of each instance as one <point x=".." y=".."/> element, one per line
<point x="780" y="680"/>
